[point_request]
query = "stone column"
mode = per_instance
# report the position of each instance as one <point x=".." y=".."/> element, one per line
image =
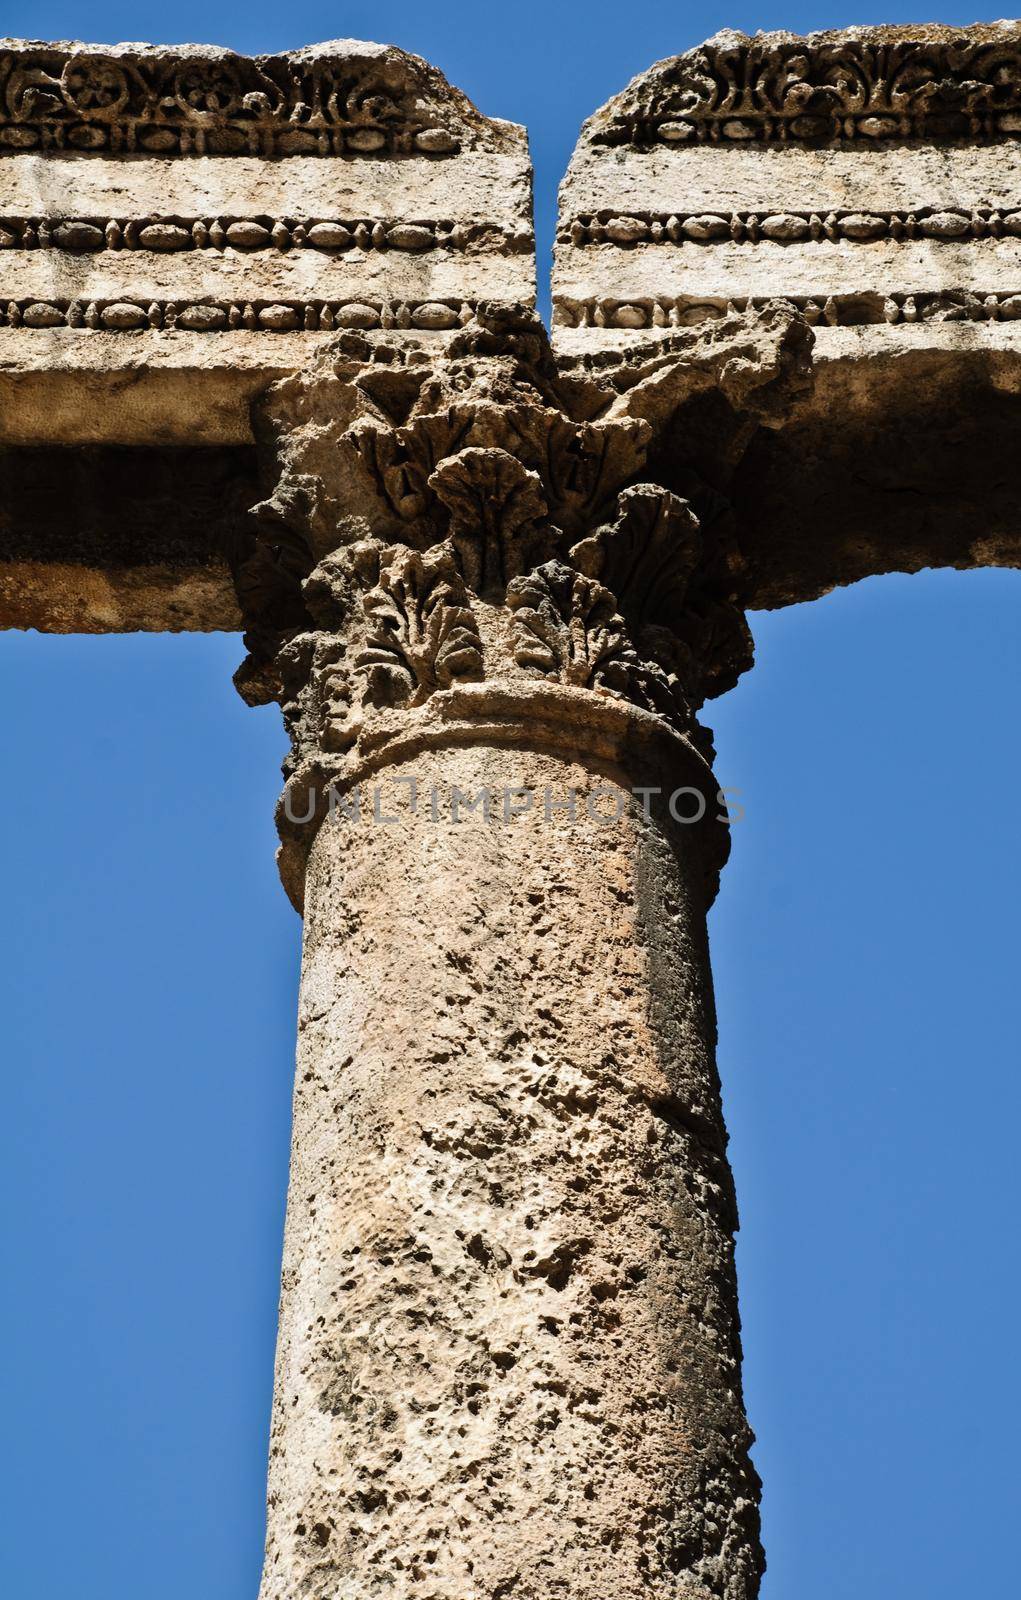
<point x="509" y="1357"/>
<point x="509" y="1360"/>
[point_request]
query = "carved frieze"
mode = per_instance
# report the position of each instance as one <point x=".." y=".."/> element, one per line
<point x="420" y="634"/>
<point x="845" y="310"/>
<point x="230" y="316"/>
<point x="861" y="85"/>
<point x="869" y="178"/>
<point x="329" y="235"/>
<point x="224" y="214"/>
<point x="359" y="101"/>
<point x="939" y="223"/>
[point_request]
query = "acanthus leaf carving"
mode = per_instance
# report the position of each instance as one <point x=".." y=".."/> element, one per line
<point x="647" y="556"/>
<point x="715" y="633"/>
<point x="270" y="555"/>
<point x="385" y="626"/>
<point x="400" y="461"/>
<point x="579" y="465"/>
<point x="585" y="463"/>
<point x="497" y="516"/>
<point x="652" y="558"/>
<point x="420" y="632"/>
<point x="495" y="388"/>
<point x="451" y="524"/>
<point x="566" y="626"/>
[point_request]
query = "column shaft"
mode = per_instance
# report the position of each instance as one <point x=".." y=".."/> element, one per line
<point x="509" y="1358"/>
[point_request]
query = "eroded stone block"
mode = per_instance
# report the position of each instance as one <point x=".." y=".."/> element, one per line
<point x="868" y="180"/>
<point x="870" y="177"/>
<point x="181" y="226"/>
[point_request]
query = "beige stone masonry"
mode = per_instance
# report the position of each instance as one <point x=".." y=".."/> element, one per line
<point x="188" y="224"/>
<point x="870" y="176"/>
<point x="870" y="180"/>
<point x="179" y="229"/>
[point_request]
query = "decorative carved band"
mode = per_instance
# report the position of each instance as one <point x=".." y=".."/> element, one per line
<point x="251" y="234"/>
<point x="788" y="227"/>
<point x="176" y="103"/>
<point x="219" y="316"/>
<point x="905" y="83"/>
<point x="856" y="309"/>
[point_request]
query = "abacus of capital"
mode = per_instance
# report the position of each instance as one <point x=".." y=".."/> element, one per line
<point x="269" y="361"/>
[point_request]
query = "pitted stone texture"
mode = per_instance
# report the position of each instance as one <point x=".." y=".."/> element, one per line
<point x="778" y="166"/>
<point x="343" y="97"/>
<point x="871" y="180"/>
<point x="179" y="227"/>
<point x="509" y="1354"/>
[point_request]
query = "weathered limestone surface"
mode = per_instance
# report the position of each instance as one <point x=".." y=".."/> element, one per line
<point x="509" y="1360"/>
<point x="183" y="223"/>
<point x="871" y="180"/>
<point x="509" y="1357"/>
<point x="751" y="168"/>
<point x="213" y="206"/>
<point x="267" y="360"/>
<point x="181" y="227"/>
<point x="868" y="178"/>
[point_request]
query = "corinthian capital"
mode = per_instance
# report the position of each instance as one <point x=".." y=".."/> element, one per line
<point x="484" y="539"/>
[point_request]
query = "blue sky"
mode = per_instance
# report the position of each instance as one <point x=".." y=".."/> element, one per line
<point x="865" y="948"/>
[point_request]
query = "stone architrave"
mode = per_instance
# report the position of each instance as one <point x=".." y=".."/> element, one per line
<point x="870" y="179"/>
<point x="178" y="229"/>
